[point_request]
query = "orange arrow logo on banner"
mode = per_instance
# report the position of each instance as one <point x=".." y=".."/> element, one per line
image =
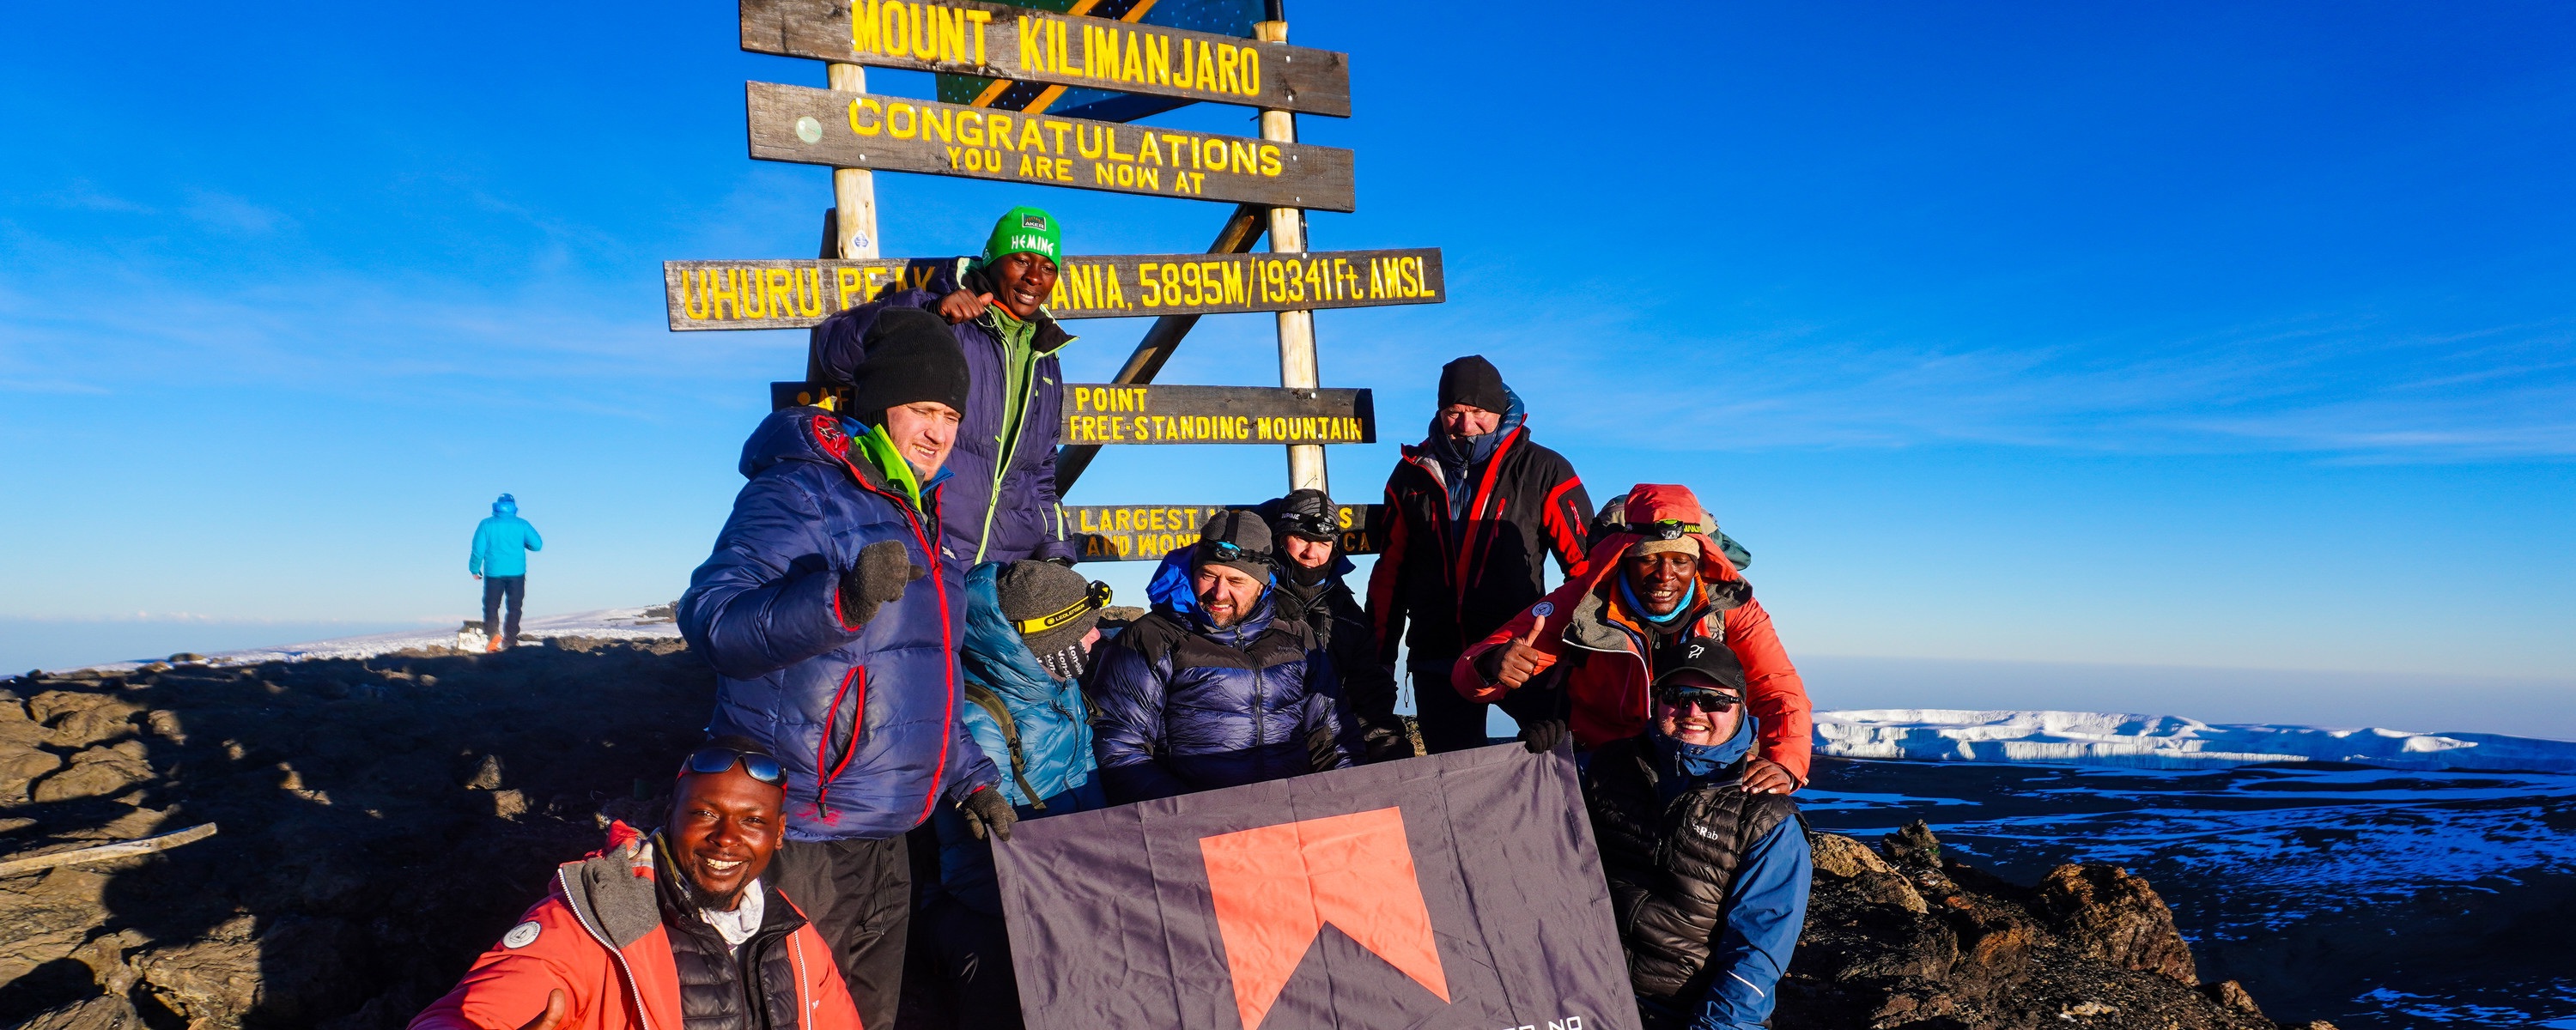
<point x="1276" y="887"/>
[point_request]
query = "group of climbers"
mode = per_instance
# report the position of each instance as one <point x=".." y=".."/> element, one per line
<point x="908" y="666"/>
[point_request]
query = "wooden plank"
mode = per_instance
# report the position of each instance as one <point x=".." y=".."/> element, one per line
<point x="1147" y="532"/>
<point x="1112" y="413"/>
<point x="1241" y="231"/>
<point x="1025" y="44"/>
<point x="126" y="849"/>
<point x="795" y="294"/>
<point x="864" y="130"/>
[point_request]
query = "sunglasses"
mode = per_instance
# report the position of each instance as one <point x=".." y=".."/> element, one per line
<point x="1230" y="551"/>
<point x="1094" y="600"/>
<point x="1710" y="701"/>
<point x="718" y="759"/>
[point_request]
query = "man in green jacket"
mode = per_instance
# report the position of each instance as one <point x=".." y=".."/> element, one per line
<point x="500" y="560"/>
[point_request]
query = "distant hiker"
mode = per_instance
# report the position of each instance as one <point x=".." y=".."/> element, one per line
<point x="1472" y="512"/>
<point x="676" y="928"/>
<point x="1308" y="530"/>
<point x="500" y="560"/>
<point x="1030" y="626"/>
<point x="1215" y="687"/>
<point x="1660" y="578"/>
<point x="1002" y="506"/>
<point x="831" y="615"/>
<point x="1708" y="880"/>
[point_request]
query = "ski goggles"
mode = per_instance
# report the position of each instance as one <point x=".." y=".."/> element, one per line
<point x="1316" y="526"/>
<point x="718" y="759"/>
<point x="1711" y="701"/>
<point x="1664" y="529"/>
<point x="1095" y="599"/>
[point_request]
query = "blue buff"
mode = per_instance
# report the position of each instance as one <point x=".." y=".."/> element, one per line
<point x="1629" y="594"/>
<point x="1766" y="904"/>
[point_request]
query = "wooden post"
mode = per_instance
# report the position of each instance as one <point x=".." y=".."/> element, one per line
<point x="854" y="190"/>
<point x="1297" y="368"/>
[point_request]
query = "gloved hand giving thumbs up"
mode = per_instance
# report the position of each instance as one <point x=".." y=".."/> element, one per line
<point x="1516" y="660"/>
<point x="879" y="577"/>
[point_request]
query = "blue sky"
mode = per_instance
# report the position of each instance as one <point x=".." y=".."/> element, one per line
<point x="2087" y="341"/>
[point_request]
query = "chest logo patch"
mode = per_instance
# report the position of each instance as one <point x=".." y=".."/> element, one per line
<point x="1543" y="609"/>
<point x="522" y="935"/>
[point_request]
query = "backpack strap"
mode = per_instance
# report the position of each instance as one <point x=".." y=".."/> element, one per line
<point x="983" y="697"/>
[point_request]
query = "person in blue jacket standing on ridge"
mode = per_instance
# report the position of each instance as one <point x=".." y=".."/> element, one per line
<point x="500" y="560"/>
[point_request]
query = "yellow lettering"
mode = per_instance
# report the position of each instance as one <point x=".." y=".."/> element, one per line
<point x="701" y="306"/>
<point x="970" y="125"/>
<point x="1150" y="178"/>
<point x="892" y="37"/>
<point x="980" y="18"/>
<point x="869" y="129"/>
<point x="952" y="34"/>
<point x="1206" y="77"/>
<point x="754" y="288"/>
<point x="1158" y="60"/>
<point x="863" y="29"/>
<point x="1226" y="77"/>
<point x="1270" y="160"/>
<point x="848" y="279"/>
<point x="1030" y="138"/>
<point x="1096" y="144"/>
<point x="1058" y="128"/>
<point x="1114" y="296"/>
<point x="1149" y="151"/>
<point x="1251" y="72"/>
<point x="998" y="130"/>
<point x="1032" y="44"/>
<point x="1210" y="154"/>
<point x="1024" y="166"/>
<point x="1131" y="67"/>
<point x="723" y="293"/>
<point x="907" y="128"/>
<point x="1233" y="278"/>
<point x="939" y="120"/>
<point x="1242" y="156"/>
<point x="1109" y="137"/>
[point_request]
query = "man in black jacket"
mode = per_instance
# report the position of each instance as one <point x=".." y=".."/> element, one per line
<point x="1471" y="512"/>
<point x="1708" y="880"/>
<point x="1307" y="528"/>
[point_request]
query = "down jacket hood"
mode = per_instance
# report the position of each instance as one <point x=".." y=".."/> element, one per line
<point x="1050" y="714"/>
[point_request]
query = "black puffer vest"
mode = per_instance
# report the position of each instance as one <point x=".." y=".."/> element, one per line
<point x="1669" y="864"/>
<point x="751" y="988"/>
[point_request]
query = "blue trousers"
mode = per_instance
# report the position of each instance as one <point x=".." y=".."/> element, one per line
<point x="495" y="590"/>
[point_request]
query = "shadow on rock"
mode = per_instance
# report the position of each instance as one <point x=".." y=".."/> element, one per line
<point x="382" y="822"/>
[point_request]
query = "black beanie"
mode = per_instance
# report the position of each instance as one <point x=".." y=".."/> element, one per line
<point x="1473" y="381"/>
<point x="1301" y="514"/>
<point x="1250" y="537"/>
<point x="912" y="357"/>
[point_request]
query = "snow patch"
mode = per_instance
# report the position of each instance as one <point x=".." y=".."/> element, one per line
<point x="2163" y="741"/>
<point x="652" y="623"/>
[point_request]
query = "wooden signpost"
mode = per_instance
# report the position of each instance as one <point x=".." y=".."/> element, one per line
<point x="1147" y="532"/>
<point x="863" y="130"/>
<point x="1118" y="413"/>
<point x="1025" y="58"/>
<point x="796" y="294"/>
<point x="1022" y="44"/>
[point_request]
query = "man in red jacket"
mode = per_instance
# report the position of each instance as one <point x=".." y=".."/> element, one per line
<point x="1474" y="513"/>
<point x="621" y="942"/>
<point x="1657" y="579"/>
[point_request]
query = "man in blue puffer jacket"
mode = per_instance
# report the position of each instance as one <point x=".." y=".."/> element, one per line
<point x="1214" y="688"/>
<point x="832" y="615"/>
<point x="1029" y="627"/>
<point x="1002" y="505"/>
<point x="500" y="560"/>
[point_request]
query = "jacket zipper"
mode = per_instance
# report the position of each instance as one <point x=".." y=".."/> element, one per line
<point x="947" y="632"/>
<point x="1010" y="447"/>
<point x="634" y="987"/>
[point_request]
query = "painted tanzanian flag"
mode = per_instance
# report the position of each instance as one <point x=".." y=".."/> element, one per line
<point x="1447" y="892"/>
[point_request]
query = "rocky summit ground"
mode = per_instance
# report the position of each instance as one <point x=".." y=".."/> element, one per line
<point x="383" y="820"/>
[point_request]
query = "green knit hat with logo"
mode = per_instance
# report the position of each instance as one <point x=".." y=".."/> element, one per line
<point x="1026" y="229"/>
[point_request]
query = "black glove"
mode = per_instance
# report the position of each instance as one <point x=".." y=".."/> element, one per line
<point x="987" y="807"/>
<point x="1543" y="736"/>
<point x="880" y="576"/>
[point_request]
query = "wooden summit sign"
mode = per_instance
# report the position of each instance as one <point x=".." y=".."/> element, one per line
<point x="1147" y="532"/>
<point x="1020" y="44"/>
<point x="795" y="294"/>
<point x="1123" y="413"/>
<point x="863" y="130"/>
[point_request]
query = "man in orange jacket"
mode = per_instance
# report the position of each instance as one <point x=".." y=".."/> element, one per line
<point x="1658" y="578"/>
<point x="622" y="944"/>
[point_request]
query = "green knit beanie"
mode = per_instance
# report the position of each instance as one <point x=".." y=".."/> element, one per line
<point x="1025" y="229"/>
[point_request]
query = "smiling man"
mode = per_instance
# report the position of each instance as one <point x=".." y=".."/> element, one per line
<point x="1590" y="649"/>
<point x="1708" y="875"/>
<point x="1216" y="687"/>
<point x="1002" y="506"/>
<point x="832" y="616"/>
<point x="675" y="928"/>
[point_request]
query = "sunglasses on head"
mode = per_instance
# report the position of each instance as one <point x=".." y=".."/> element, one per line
<point x="1231" y="551"/>
<point x="718" y="759"/>
<point x="1711" y="701"/>
<point x="1093" y="600"/>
